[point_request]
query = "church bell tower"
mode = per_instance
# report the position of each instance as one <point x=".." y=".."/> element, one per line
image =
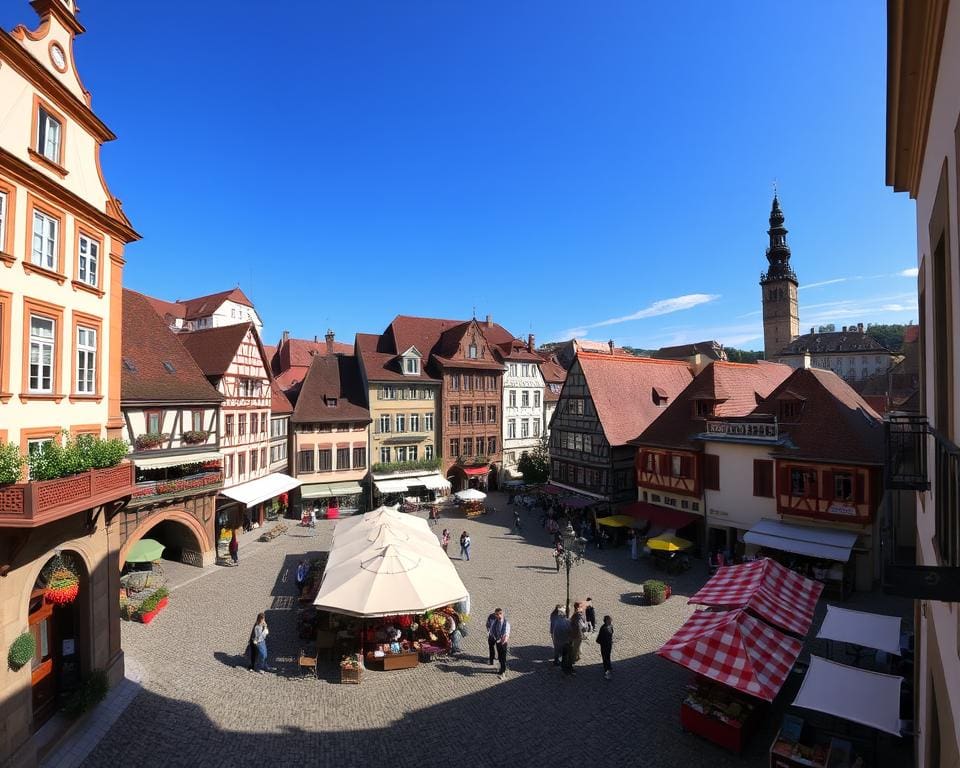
<point x="781" y="321"/>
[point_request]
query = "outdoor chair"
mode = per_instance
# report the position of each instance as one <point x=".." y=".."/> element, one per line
<point x="308" y="662"/>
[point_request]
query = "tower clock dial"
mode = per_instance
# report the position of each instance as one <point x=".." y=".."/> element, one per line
<point x="58" y="57"/>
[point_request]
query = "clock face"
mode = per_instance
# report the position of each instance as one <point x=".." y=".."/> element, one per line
<point x="58" y="58"/>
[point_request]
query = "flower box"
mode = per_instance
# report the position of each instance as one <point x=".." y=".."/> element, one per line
<point x="146" y="618"/>
<point x="351" y="675"/>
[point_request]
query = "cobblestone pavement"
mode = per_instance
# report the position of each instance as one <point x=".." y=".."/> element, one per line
<point x="200" y="706"/>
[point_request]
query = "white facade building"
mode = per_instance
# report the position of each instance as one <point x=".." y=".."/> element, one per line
<point x="523" y="409"/>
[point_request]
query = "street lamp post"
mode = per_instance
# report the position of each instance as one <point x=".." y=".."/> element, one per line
<point x="573" y="548"/>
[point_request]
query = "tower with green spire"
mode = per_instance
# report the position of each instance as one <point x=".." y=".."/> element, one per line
<point x="781" y="319"/>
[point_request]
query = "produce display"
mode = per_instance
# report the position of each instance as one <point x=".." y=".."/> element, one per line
<point x="717" y="702"/>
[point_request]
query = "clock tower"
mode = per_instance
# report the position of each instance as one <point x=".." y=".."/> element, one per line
<point x="781" y="321"/>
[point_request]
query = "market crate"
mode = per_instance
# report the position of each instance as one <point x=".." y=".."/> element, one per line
<point x="352" y="675"/>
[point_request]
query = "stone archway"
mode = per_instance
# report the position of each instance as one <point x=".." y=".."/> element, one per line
<point x="178" y="530"/>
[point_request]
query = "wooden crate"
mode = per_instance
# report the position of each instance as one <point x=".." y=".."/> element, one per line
<point x="350" y="675"/>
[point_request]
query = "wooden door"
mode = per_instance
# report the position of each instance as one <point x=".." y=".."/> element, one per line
<point x="43" y="666"/>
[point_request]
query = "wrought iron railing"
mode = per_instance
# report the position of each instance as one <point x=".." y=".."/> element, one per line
<point x="946" y="498"/>
<point x="905" y="454"/>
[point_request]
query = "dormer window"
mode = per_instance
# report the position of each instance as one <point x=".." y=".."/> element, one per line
<point x="658" y="395"/>
<point x="331" y="402"/>
<point x="790" y="410"/>
<point x="703" y="408"/>
<point x="411" y="366"/>
<point x="472" y="352"/>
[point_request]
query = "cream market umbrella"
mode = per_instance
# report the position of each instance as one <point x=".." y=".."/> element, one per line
<point x="379" y="516"/>
<point x="145" y="551"/>
<point x="361" y="542"/>
<point x="470" y="494"/>
<point x="392" y="580"/>
<point x="369" y="532"/>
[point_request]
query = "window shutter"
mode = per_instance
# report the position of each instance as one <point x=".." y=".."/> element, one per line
<point x="665" y="464"/>
<point x="827" y="491"/>
<point x="686" y="469"/>
<point x="859" y="487"/>
<point x="784" y="481"/>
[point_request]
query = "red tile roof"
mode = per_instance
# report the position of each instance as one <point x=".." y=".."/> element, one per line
<point x="279" y="404"/>
<point x="332" y="392"/>
<point x="734" y="388"/>
<point x="215" y="348"/>
<point x="835" y="423"/>
<point x="382" y="364"/>
<point x="621" y="388"/>
<point x="189" y="309"/>
<point x="299" y="353"/>
<point x="911" y="334"/>
<point x="147" y="344"/>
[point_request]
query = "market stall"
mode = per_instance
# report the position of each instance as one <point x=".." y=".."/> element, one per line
<point x="868" y="630"/>
<point x="768" y="589"/>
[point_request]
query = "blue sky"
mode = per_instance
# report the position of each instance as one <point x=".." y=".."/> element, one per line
<point x="598" y="168"/>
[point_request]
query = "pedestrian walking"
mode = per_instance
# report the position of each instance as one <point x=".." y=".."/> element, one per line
<point x="301" y="575"/>
<point x="498" y="638"/>
<point x="234" y="549"/>
<point x="258" y="643"/>
<point x="434" y="514"/>
<point x="558" y="632"/>
<point x="558" y="554"/>
<point x="578" y="625"/>
<point x="605" y="638"/>
<point x="465" y="546"/>
<point x="516" y="521"/>
<point x="445" y="540"/>
<point x="590" y="614"/>
<point x="634" y="545"/>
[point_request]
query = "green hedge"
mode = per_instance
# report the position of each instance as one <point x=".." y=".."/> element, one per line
<point x="152" y="601"/>
<point x="76" y="455"/>
<point x="405" y="466"/>
<point x="11" y="463"/>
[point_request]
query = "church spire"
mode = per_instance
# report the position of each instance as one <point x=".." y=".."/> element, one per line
<point x="778" y="252"/>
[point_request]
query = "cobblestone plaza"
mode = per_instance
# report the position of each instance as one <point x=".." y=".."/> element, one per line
<point x="200" y="706"/>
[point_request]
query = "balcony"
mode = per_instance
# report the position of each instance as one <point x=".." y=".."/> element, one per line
<point x="152" y="491"/>
<point x="918" y="458"/>
<point x="32" y="504"/>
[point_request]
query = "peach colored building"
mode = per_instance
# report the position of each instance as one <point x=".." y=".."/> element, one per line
<point x="62" y="240"/>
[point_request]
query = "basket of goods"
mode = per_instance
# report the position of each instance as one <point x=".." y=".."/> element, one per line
<point x="63" y="582"/>
<point x="351" y="669"/>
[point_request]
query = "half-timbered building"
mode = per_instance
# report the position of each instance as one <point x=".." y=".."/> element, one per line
<point x="233" y="360"/>
<point x="215" y="310"/>
<point x="171" y="415"/>
<point x="330" y="424"/>
<point x="607" y="401"/>
<point x="62" y="241"/>
<point x="672" y="468"/>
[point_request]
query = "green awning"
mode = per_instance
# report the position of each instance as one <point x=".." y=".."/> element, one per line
<point x="145" y="551"/>
<point x="328" y="490"/>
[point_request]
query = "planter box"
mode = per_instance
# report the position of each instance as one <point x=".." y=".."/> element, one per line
<point x="146" y="618"/>
<point x="351" y="676"/>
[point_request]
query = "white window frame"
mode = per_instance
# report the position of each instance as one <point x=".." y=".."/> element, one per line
<point x="512" y="428"/>
<point x="35" y="444"/>
<point x="513" y="369"/>
<point x="385" y="422"/>
<point x="46" y="254"/>
<point x="472" y="352"/>
<point x="3" y="219"/>
<point x="524" y="427"/>
<point x="428" y="452"/>
<point x="385" y="454"/>
<point x="414" y="422"/>
<point x="536" y="427"/>
<point x="88" y="260"/>
<point x="411" y="366"/>
<point x="428" y="422"/>
<point x="512" y="401"/>
<point x="401" y="422"/>
<point x="525" y="398"/>
<point x="536" y="398"/>
<point x="412" y="453"/>
<point x="39" y="343"/>
<point x="86" y="380"/>
<point x="400" y="452"/>
<point x="49" y="135"/>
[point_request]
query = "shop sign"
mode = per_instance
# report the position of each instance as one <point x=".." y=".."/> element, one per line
<point x="753" y="430"/>
<point x="843" y="510"/>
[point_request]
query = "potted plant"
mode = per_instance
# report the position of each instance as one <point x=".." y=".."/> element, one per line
<point x="22" y="650"/>
<point x="91" y="692"/>
<point x="656" y="592"/>
<point x="150" y="440"/>
<point x="195" y="436"/>
<point x="152" y="605"/>
<point x="63" y="582"/>
<point x="351" y="668"/>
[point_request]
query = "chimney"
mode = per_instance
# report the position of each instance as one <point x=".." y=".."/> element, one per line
<point x="530" y="344"/>
<point x="316" y="339"/>
<point x="610" y="344"/>
<point x="286" y="337"/>
<point x="859" y="327"/>
<point x="806" y="361"/>
<point x="329" y="339"/>
<point x="844" y="329"/>
<point x="811" y="329"/>
<point x="489" y="320"/>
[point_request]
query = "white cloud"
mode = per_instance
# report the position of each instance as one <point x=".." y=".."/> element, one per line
<point x="657" y="308"/>
<point x="834" y="281"/>
<point x="897" y="308"/>
<point x="909" y="272"/>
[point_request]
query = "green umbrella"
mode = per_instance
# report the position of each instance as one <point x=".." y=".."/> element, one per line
<point x="145" y="551"/>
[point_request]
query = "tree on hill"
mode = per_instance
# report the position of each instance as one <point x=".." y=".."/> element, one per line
<point x="890" y="335"/>
<point x="735" y="355"/>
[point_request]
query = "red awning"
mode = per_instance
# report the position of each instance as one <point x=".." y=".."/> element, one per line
<point x="577" y="502"/>
<point x="552" y="490"/>
<point x="661" y="516"/>
<point x="475" y="470"/>
<point x="771" y="591"/>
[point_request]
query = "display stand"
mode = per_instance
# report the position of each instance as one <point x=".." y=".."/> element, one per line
<point x="798" y="745"/>
<point x="720" y="715"/>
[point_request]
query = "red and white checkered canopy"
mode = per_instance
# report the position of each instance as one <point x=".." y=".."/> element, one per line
<point x="768" y="589"/>
<point x="735" y="649"/>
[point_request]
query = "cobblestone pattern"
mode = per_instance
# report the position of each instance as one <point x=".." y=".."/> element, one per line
<point x="200" y="706"/>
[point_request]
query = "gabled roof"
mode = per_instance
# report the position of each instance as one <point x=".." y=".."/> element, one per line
<point x="517" y="350"/>
<point x="851" y="340"/>
<point x="835" y="423"/>
<point x="299" y="353"/>
<point x="711" y="349"/>
<point x="202" y="306"/>
<point x="332" y="392"/>
<point x="734" y="388"/>
<point x="446" y="349"/>
<point x="621" y="385"/>
<point x="215" y="348"/>
<point x="279" y="404"/>
<point x="156" y="367"/>
<point x="383" y="365"/>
